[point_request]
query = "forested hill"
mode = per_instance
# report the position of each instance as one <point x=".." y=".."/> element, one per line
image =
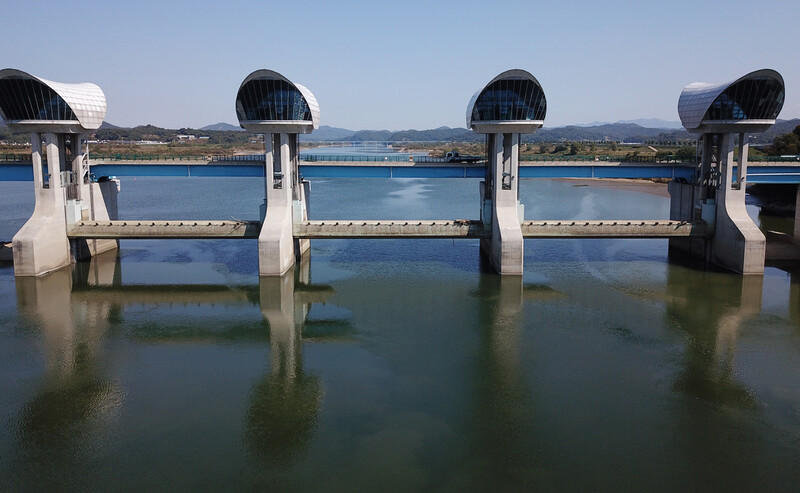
<point x="222" y="133"/>
<point x="620" y="132"/>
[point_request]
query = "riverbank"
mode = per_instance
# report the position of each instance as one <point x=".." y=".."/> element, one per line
<point x="626" y="184"/>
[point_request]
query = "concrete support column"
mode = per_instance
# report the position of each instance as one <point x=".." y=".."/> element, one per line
<point x="299" y="199"/>
<point x="36" y="159"/>
<point x="41" y="245"/>
<point x="741" y="174"/>
<point x="80" y="168"/>
<point x="708" y="167"/>
<point x="269" y="166"/>
<point x="505" y="248"/>
<point x="276" y="252"/>
<point x="738" y="244"/>
<point x="54" y="146"/>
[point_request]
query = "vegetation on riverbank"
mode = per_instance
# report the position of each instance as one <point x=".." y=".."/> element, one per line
<point x="786" y="144"/>
<point x="159" y="142"/>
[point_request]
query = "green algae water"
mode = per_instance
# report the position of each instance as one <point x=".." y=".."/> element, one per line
<point x="395" y="365"/>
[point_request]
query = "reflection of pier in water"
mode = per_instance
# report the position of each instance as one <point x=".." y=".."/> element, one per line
<point x="76" y="309"/>
<point x="712" y="315"/>
<point x="502" y="420"/>
<point x="77" y="396"/>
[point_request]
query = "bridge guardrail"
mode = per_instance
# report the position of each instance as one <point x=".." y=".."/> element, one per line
<point x="311" y="158"/>
<point x="669" y="159"/>
<point x="15" y="158"/>
<point x="147" y="157"/>
<point x="160" y="158"/>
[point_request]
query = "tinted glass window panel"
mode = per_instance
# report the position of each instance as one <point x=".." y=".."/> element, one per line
<point x="510" y="100"/>
<point x="27" y="99"/>
<point x="271" y="100"/>
<point x="750" y="99"/>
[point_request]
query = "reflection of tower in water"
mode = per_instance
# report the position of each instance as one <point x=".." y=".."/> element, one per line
<point x="710" y="314"/>
<point x="74" y="309"/>
<point x="284" y="405"/>
<point x="282" y="415"/>
<point x="715" y="445"/>
<point x="502" y="421"/>
<point x="75" y="394"/>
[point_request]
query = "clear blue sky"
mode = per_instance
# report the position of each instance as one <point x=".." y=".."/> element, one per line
<point x="409" y="64"/>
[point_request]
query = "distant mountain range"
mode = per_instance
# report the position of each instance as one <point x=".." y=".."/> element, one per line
<point x="620" y="132"/>
<point x="623" y="131"/>
<point x="635" y="131"/>
<point x="642" y="122"/>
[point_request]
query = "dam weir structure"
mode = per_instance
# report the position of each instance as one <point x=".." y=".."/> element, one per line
<point x="75" y="217"/>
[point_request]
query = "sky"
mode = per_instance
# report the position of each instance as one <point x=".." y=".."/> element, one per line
<point x="401" y="64"/>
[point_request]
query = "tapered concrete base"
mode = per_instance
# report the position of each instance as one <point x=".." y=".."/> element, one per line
<point x="738" y="244"/>
<point x="506" y="247"/>
<point x="41" y="245"/>
<point x="276" y="245"/>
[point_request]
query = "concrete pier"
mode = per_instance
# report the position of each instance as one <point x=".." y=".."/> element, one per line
<point x="63" y="197"/>
<point x="724" y="114"/>
<point x="717" y="199"/>
<point x="41" y="245"/>
<point x="738" y="244"/>
<point x="511" y="104"/>
<point x="280" y="119"/>
<point x="276" y="248"/>
<point x="499" y="194"/>
<point x="62" y="115"/>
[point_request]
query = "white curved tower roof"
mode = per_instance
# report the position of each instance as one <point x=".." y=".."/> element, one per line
<point x="28" y="100"/>
<point x="267" y="101"/>
<point x="748" y="104"/>
<point x="514" y="101"/>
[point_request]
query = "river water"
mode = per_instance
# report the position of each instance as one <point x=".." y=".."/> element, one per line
<point x="395" y="365"/>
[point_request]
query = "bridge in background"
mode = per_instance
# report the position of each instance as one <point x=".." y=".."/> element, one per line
<point x="772" y="172"/>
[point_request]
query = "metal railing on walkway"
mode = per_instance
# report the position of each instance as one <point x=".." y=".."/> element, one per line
<point x="354" y="158"/>
<point x="159" y="158"/>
